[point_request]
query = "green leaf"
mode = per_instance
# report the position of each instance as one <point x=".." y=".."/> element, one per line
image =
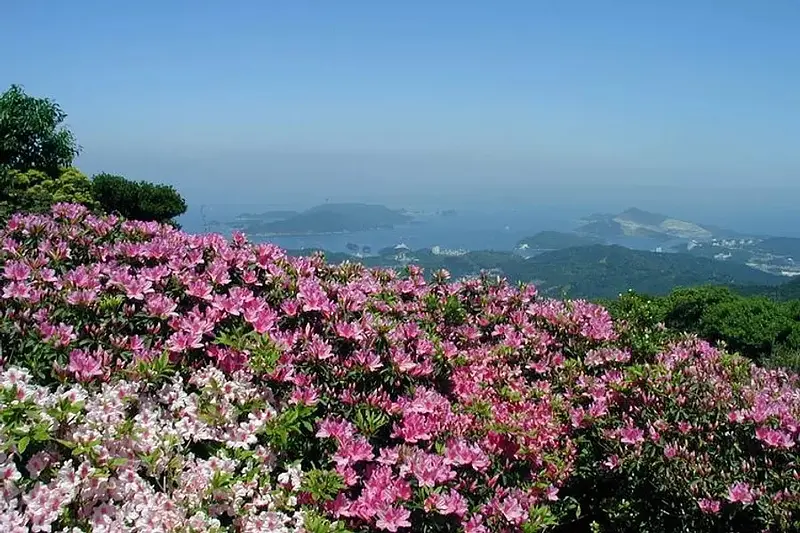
<point x="22" y="445"/>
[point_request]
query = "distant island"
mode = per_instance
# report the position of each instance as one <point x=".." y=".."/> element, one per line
<point x="602" y="228"/>
<point x="635" y="222"/>
<point x="774" y="255"/>
<point x="267" y="216"/>
<point x="323" y="219"/>
<point x="545" y="241"/>
<point x="584" y="262"/>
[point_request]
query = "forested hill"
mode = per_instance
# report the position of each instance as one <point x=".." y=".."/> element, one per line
<point x="784" y="291"/>
<point x="602" y="271"/>
<point x="597" y="271"/>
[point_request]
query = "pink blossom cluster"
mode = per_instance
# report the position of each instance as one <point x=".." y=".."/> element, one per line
<point x="156" y="380"/>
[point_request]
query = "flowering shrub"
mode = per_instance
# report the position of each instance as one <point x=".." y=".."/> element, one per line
<point x="167" y="382"/>
<point x="134" y="456"/>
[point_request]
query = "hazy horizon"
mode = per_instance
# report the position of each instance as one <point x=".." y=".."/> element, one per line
<point x="688" y="108"/>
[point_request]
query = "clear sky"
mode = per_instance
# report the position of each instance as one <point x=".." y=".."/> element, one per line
<point x="292" y="100"/>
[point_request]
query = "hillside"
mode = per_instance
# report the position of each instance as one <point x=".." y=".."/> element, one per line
<point x="329" y="218"/>
<point x="785" y="291"/>
<point x="776" y="255"/>
<point x="595" y="271"/>
<point x="555" y="240"/>
<point x="606" y="271"/>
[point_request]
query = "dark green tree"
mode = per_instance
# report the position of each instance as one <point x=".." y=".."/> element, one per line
<point x="32" y="135"/>
<point x="137" y="200"/>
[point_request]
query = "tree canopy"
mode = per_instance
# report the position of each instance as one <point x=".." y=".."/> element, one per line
<point x="36" y="156"/>
<point x="762" y="329"/>
<point x="32" y="134"/>
<point x="138" y="200"/>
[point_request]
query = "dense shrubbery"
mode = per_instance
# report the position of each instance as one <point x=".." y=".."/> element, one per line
<point x="764" y="330"/>
<point x="32" y="134"/>
<point x="34" y="191"/>
<point x="137" y="200"/>
<point x="160" y="381"/>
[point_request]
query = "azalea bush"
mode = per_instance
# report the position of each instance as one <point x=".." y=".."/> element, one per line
<point x="158" y="381"/>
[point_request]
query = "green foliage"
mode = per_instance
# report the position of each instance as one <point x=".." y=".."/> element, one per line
<point x="137" y="200"/>
<point x="21" y="421"/>
<point x="687" y="306"/>
<point x="786" y="355"/>
<point x="315" y="523"/>
<point x="36" y="155"/>
<point x="322" y="485"/>
<point x="35" y="191"/>
<point x="759" y="328"/>
<point x="752" y="326"/>
<point x="783" y="292"/>
<point x="32" y="136"/>
<point x="640" y="322"/>
<point x="369" y="419"/>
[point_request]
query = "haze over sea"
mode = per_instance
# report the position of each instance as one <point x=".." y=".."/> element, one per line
<point x="531" y="114"/>
<point x="501" y="226"/>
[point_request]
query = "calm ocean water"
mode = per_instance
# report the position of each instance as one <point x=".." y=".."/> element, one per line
<point x="466" y="230"/>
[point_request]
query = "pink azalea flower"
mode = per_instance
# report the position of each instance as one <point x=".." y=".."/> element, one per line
<point x="709" y="506"/>
<point x="740" y="493"/>
<point x="631" y="435"/>
<point x="85" y="365"/>
<point x="393" y="518"/>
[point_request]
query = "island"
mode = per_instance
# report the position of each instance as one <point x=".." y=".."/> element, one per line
<point x="326" y="219"/>
<point x="635" y="222"/>
<point x="555" y="240"/>
<point x="267" y="216"/>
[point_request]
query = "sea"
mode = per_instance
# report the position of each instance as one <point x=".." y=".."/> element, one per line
<point x="470" y="229"/>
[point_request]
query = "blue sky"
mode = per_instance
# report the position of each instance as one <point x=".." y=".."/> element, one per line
<point x="296" y="100"/>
